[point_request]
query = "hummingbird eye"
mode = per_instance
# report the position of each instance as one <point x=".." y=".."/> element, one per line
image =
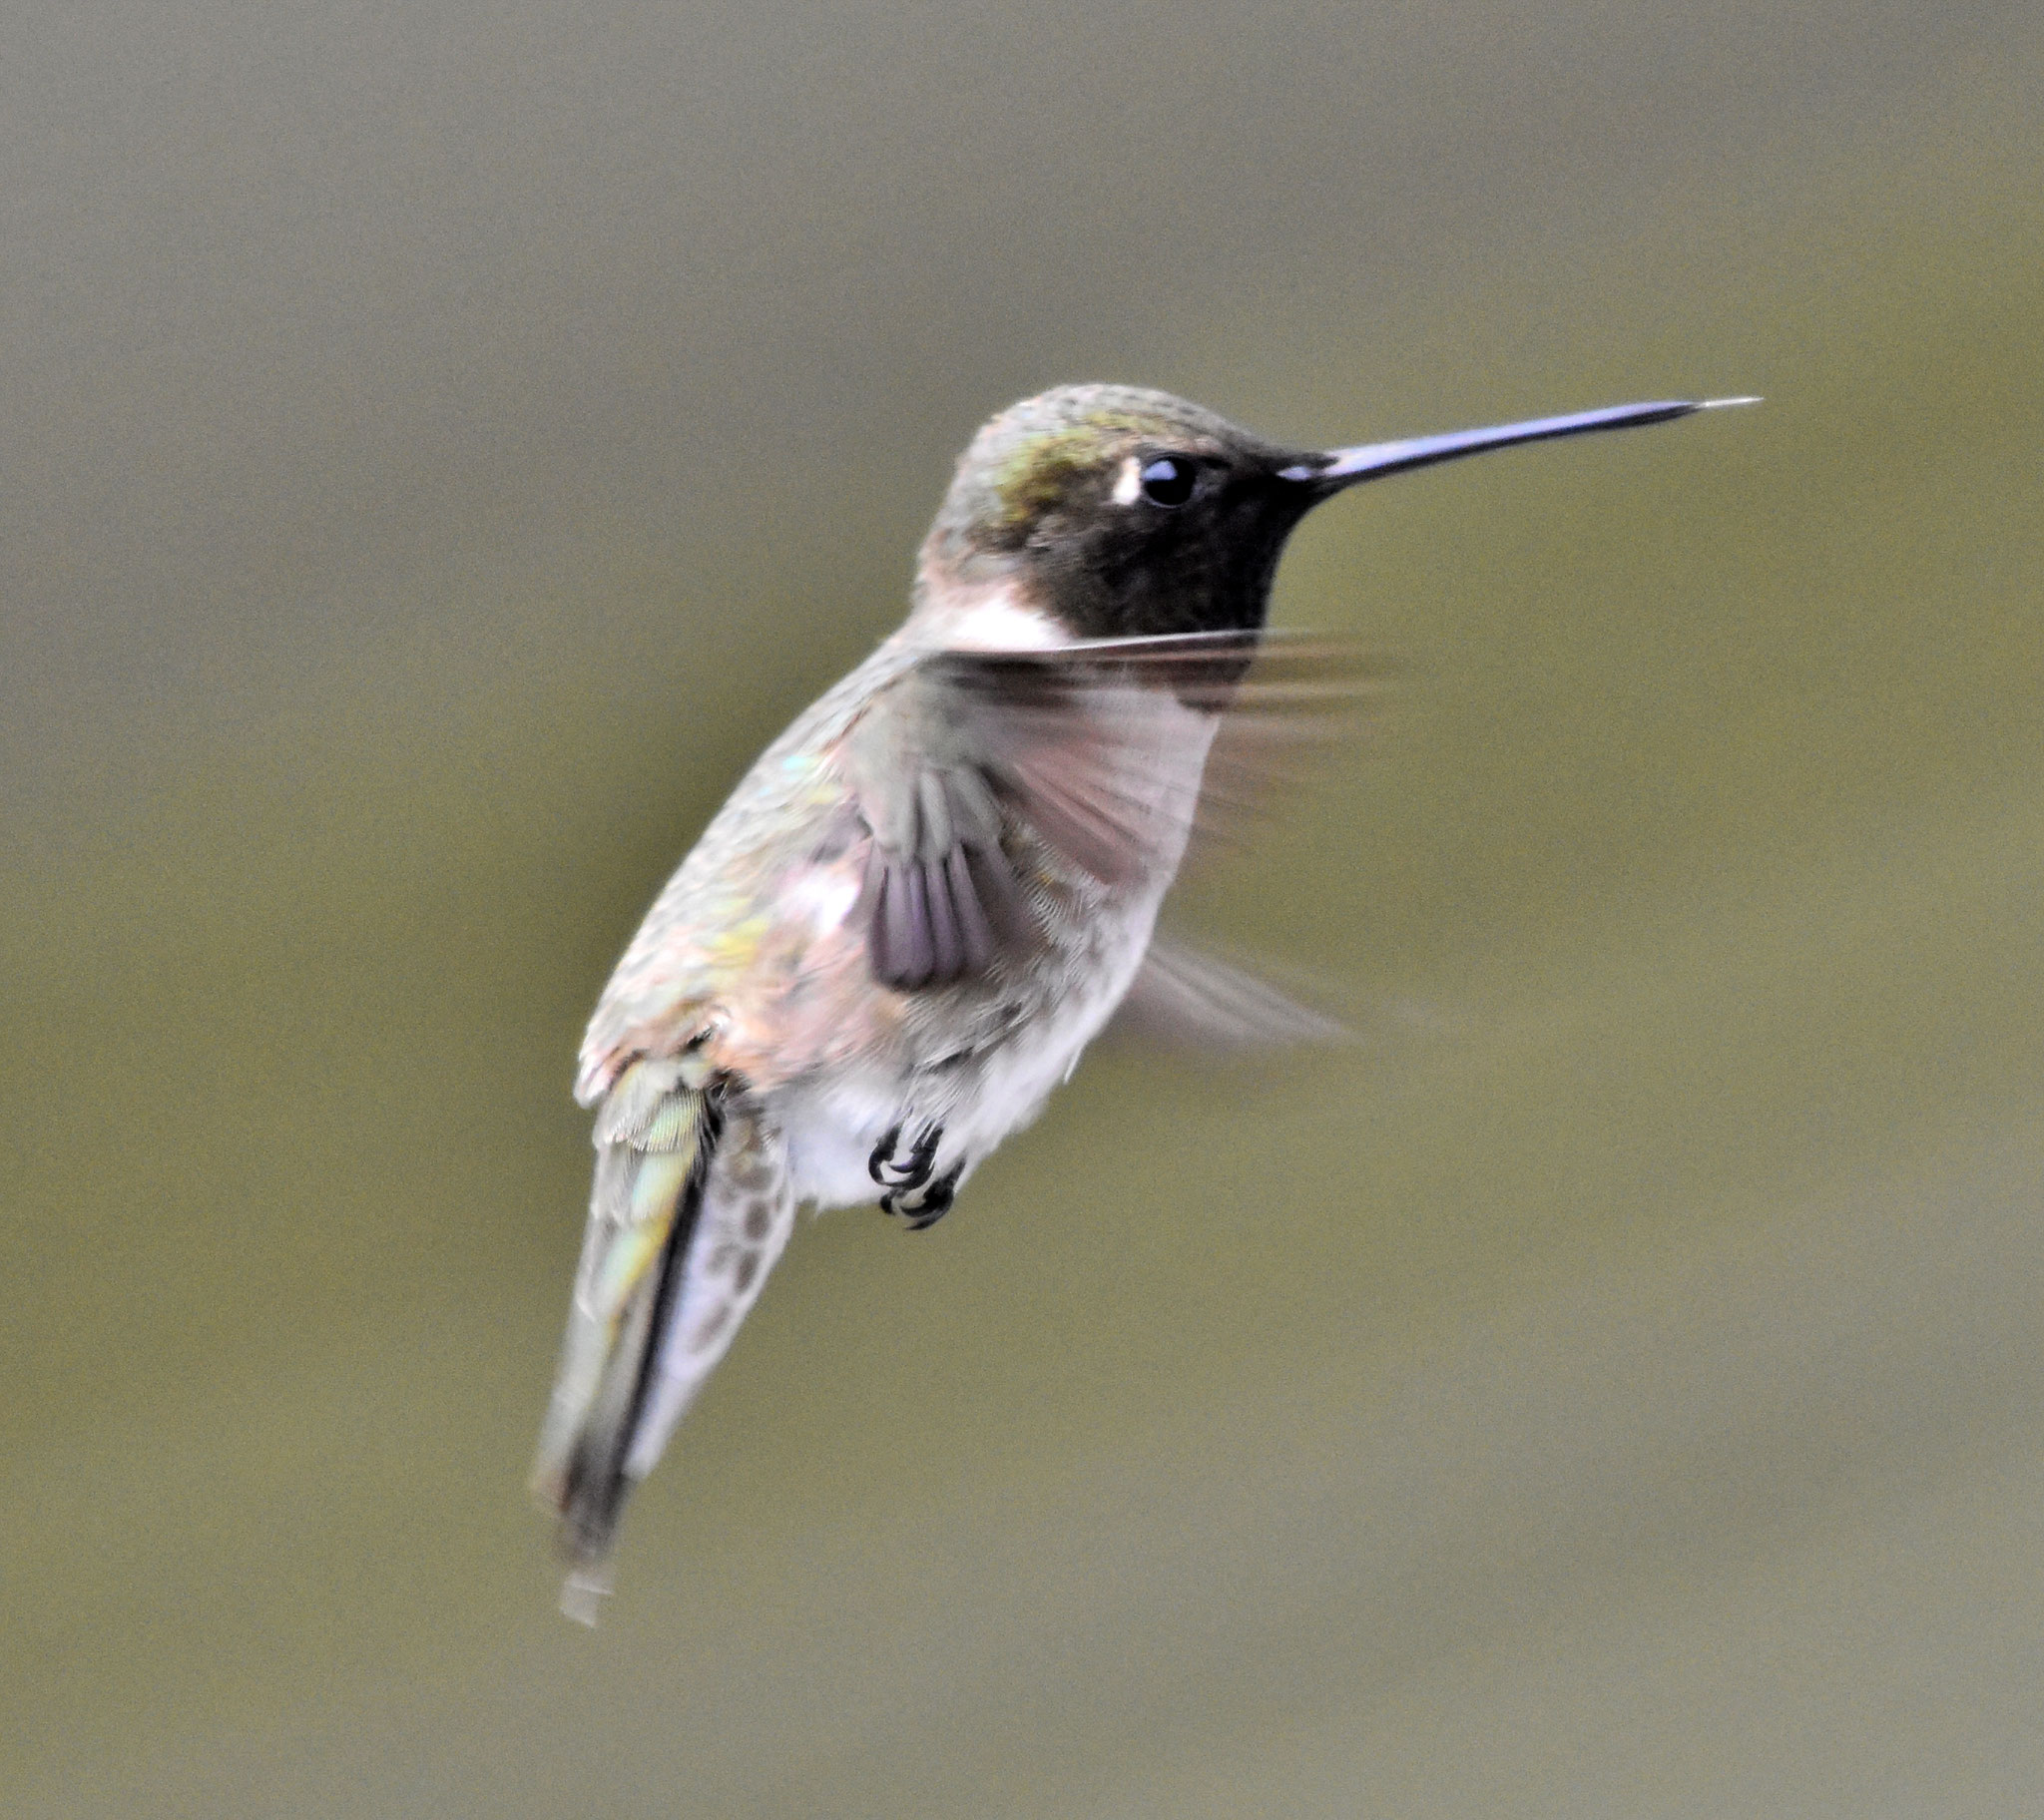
<point x="1168" y="480"/>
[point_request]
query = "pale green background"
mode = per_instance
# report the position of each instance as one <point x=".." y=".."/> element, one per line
<point x="443" y="442"/>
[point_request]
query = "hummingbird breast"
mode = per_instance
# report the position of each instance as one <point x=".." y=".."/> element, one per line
<point x="980" y="1058"/>
<point x="755" y="948"/>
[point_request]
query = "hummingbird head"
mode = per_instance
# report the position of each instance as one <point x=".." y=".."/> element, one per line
<point x="1118" y="512"/>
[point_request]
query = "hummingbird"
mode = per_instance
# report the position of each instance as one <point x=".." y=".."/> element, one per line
<point x="933" y="890"/>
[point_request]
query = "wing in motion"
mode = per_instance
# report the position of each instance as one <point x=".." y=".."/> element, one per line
<point x="972" y="764"/>
<point x="1194" y="1001"/>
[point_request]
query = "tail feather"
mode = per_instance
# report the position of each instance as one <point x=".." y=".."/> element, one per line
<point x="655" y="1137"/>
<point x="595" y="1482"/>
<point x="742" y="1222"/>
<point x="692" y="1205"/>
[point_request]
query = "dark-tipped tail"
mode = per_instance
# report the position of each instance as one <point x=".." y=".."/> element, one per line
<point x="654" y="1142"/>
<point x="595" y="1486"/>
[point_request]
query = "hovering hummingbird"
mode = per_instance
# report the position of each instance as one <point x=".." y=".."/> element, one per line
<point x="932" y="891"/>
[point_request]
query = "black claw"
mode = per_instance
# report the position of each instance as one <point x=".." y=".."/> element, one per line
<point x="933" y="1203"/>
<point x="896" y="1173"/>
<point x="883" y="1155"/>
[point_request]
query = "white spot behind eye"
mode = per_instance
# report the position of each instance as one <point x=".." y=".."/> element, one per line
<point x="1129" y="482"/>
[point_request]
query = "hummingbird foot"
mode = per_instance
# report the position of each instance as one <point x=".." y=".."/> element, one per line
<point x="894" y="1172"/>
<point x="923" y="1206"/>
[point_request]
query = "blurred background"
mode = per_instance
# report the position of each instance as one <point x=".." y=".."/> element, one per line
<point x="442" y="444"/>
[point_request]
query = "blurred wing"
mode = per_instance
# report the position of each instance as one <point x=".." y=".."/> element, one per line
<point x="975" y="764"/>
<point x="1305" y="699"/>
<point x="1193" y="999"/>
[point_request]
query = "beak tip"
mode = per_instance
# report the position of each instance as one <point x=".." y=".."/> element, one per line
<point x="1338" y="468"/>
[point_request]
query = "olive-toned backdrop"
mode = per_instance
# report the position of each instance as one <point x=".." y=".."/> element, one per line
<point x="442" y="443"/>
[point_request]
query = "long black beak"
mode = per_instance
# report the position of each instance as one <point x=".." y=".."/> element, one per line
<point x="1340" y="468"/>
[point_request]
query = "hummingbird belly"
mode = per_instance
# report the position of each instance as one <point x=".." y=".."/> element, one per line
<point x="834" y="1119"/>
